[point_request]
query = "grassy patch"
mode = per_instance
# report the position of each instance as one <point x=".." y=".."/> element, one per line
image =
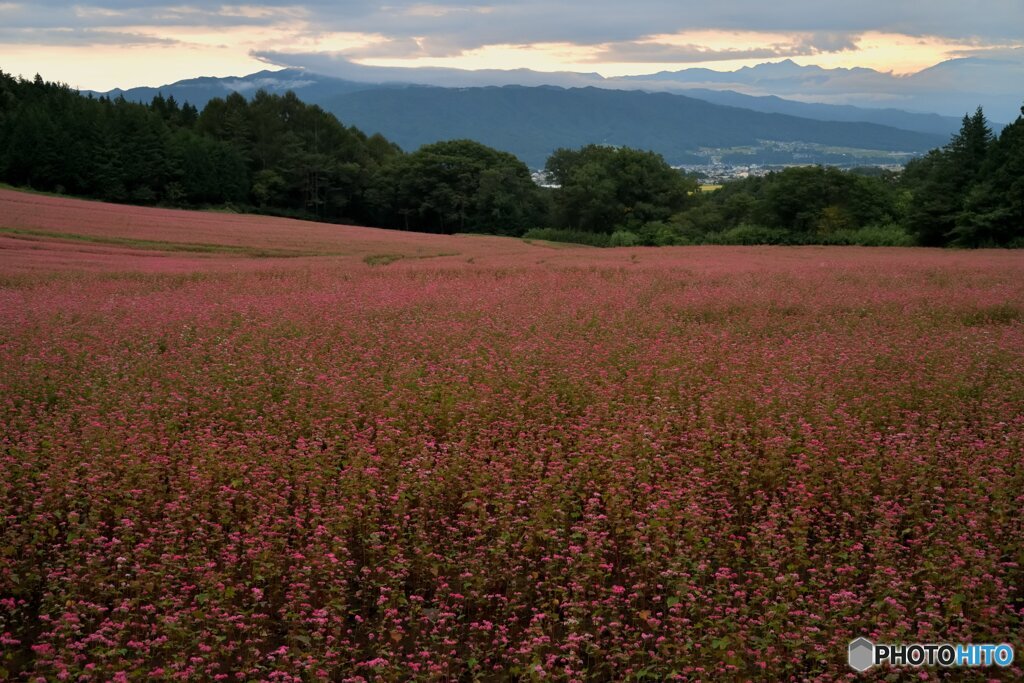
<point x="565" y="236"/>
<point x="386" y="259"/>
<point x="382" y="259"/>
<point x="997" y="314"/>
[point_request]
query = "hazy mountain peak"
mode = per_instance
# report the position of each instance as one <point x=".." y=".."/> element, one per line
<point x="786" y="66"/>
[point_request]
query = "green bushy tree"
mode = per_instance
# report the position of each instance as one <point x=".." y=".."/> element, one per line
<point x="604" y="189"/>
<point x="457" y="186"/>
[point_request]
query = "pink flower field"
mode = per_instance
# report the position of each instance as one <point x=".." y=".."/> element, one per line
<point x="242" y="448"/>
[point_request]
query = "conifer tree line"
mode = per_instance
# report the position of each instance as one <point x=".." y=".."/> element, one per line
<point x="273" y="153"/>
<point x="970" y="193"/>
<point x="276" y="154"/>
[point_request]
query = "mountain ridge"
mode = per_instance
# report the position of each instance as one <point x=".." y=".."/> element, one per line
<point x="531" y="122"/>
<point x="678" y="124"/>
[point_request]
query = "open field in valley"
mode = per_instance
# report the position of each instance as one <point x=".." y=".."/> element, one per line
<point x="249" y="448"/>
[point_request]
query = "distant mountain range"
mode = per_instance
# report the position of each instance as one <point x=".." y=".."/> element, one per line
<point x="310" y="87"/>
<point x="318" y="89"/>
<point x="951" y="88"/>
<point x="532" y="121"/>
<point x="772" y="104"/>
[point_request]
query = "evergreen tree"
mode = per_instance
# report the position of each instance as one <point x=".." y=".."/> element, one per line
<point x="993" y="209"/>
<point x="942" y="182"/>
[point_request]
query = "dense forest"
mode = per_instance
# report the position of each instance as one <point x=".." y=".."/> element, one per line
<point x="969" y="193"/>
<point x="275" y="154"/>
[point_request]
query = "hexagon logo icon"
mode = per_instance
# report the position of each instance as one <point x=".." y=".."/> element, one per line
<point x="861" y="654"/>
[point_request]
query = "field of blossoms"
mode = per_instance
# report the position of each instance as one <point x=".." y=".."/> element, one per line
<point x="237" y="448"/>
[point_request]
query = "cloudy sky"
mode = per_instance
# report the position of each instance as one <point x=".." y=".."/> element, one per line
<point x="101" y="44"/>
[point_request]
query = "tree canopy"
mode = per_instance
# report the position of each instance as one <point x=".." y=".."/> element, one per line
<point x="604" y="189"/>
<point x="455" y="186"/>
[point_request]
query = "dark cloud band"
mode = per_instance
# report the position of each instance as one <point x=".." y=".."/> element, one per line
<point x="462" y="25"/>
